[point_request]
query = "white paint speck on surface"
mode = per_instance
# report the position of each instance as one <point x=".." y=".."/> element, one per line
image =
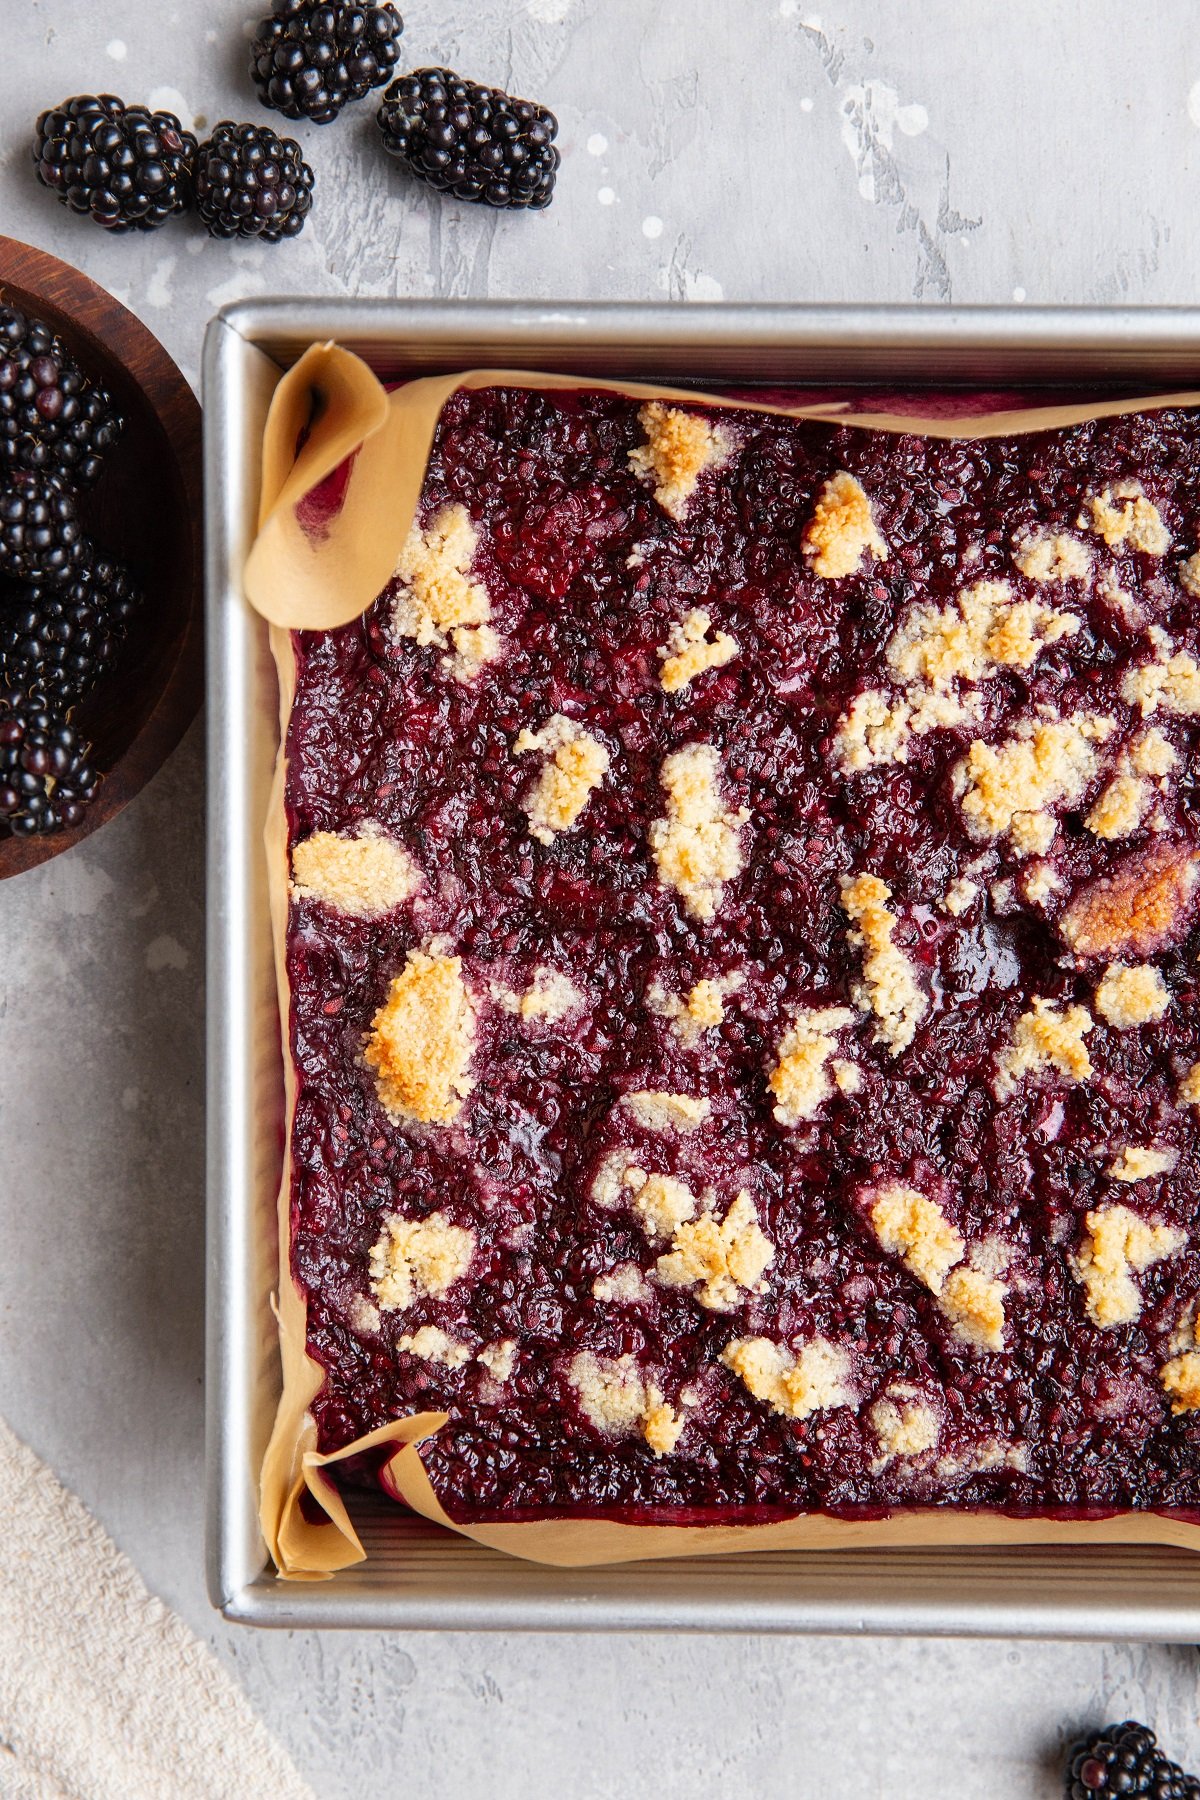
<point x="872" y="114"/>
<point x="912" y="120"/>
<point x="605" y="196"/>
<point x="169" y="99"/>
<point x="117" y="49"/>
<point x="1018" y="294"/>
<point x="597" y="144"/>
<point x="166" y="952"/>
<point x="1193" y="103"/>
<point x="159" y="292"/>
<point x="806" y="104"/>
<point x="652" y="226"/>
<point x="238" y="287"/>
<point x="548" y="12"/>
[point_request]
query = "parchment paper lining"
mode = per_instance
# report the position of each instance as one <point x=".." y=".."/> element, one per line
<point x="312" y="569"/>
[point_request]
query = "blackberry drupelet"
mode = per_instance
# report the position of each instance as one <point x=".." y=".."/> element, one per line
<point x="252" y="183"/>
<point x="51" y="416"/>
<point x="56" y="642"/>
<point x="1125" y="1759"/>
<point x="310" y="57"/>
<point x="124" y="166"/>
<point x="46" y="780"/>
<point x="475" y="142"/>
<point x="40" y="535"/>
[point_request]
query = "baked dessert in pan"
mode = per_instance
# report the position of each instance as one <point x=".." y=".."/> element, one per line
<point x="741" y="956"/>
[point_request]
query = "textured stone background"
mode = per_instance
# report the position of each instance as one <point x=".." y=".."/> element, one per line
<point x="714" y="148"/>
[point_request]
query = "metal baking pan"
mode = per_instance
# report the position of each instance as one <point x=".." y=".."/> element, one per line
<point x="416" y="1575"/>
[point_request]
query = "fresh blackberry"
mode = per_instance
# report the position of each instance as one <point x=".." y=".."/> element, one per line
<point x="309" y="58"/>
<point x="56" y="642"/>
<point x="51" y="416"/>
<point x="40" y="535"/>
<point x="1125" y="1759"/>
<point x="252" y="183"/>
<point x="125" y="166"/>
<point x="46" y="780"/>
<point x="475" y="142"/>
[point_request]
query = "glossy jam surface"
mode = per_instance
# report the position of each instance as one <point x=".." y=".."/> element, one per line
<point x="586" y="574"/>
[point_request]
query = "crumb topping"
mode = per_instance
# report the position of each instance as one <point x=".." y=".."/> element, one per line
<point x="910" y="1225"/>
<point x="617" y="1399"/>
<point x="696" y="846"/>
<point x="1189" y="575"/>
<point x="431" y="1344"/>
<point x="438" y="603"/>
<point x="800" y="1081"/>
<point x="550" y="996"/>
<point x="842" y="529"/>
<point x="973" y="1302"/>
<point x="421" y="1040"/>
<point x="623" y="1283"/>
<point x="1046" y="1037"/>
<point x="1038" y="882"/>
<point x="679" y="447"/>
<point x="1138" y="1162"/>
<point x="1180" y="1379"/>
<point x="959" y="897"/>
<point x="362" y="872"/>
<point x="1189" y="1087"/>
<point x="814" y="1377"/>
<point x="499" y="1359"/>
<point x="1006" y="788"/>
<point x="662" y="1202"/>
<point x="878" y="727"/>
<point x="904" y="1425"/>
<point x="698" y="1011"/>
<point x="1137" y="908"/>
<point x="1117" y="1246"/>
<point x="1121" y="807"/>
<point x="888" y="987"/>
<point x="1131" y="996"/>
<point x="1171" y="680"/>
<point x="659" y="1110"/>
<point x="1125" y="518"/>
<point x="689" y="651"/>
<point x="415" y="1257"/>
<point x="576" y="763"/>
<point x="984" y="629"/>
<point x="1052" y="556"/>
<point x="721" y="1261"/>
<point x="1153" y="754"/>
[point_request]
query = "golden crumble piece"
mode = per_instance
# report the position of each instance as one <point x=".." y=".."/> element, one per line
<point x="438" y="602"/>
<point x="1043" y="556"/>
<point x="842" y="529"/>
<point x="696" y="846"/>
<point x="618" y="1400"/>
<point x="910" y="1225"/>
<point x="1170" y="681"/>
<point x="362" y="872"/>
<point x="1189" y="575"/>
<point x="983" y="629"/>
<point x="1189" y="1087"/>
<point x="1140" y="1162"/>
<point x="421" y="1040"/>
<point x="722" y="1261"/>
<point x="1126" y="519"/>
<point x="888" y="988"/>
<point x="1121" y="807"/>
<point x="659" y="1110"/>
<point x="800" y="1080"/>
<point x="431" y="1344"/>
<point x="499" y="1359"/>
<point x="701" y="1009"/>
<point x="662" y="1202"/>
<point x="1142" y="905"/>
<point x="624" y="1283"/>
<point x="1153" y="754"/>
<point x="1180" y="1378"/>
<point x="689" y="651"/>
<point x="814" y="1377"/>
<point x="1118" y="1245"/>
<point x="416" y="1257"/>
<point x="904" y="1424"/>
<point x="1131" y="996"/>
<point x="550" y="996"/>
<point x="1046" y="1037"/>
<point x="878" y="727"/>
<point x="1046" y="762"/>
<point x="973" y="1302"/>
<point x="1038" y="882"/>
<point x="662" y="1425"/>
<point x="959" y="897"/>
<point x="679" y="447"/>
<point x="576" y="763"/>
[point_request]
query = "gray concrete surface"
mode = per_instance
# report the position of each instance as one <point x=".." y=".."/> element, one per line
<point x="713" y="148"/>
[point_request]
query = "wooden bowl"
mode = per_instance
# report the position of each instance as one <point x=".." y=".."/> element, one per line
<point x="146" y="507"/>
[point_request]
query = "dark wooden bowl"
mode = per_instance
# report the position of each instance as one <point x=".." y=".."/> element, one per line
<point x="146" y="507"/>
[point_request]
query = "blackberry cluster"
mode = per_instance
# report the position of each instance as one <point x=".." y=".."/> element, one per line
<point x="477" y="143"/>
<point x="46" y="780"/>
<point x="52" y="417"/>
<point x="252" y="183"/>
<point x="309" y="57"/>
<point x="1126" y="1760"/>
<point x="41" y="538"/>
<point x="124" y="166"/>
<point x="56" y="642"/>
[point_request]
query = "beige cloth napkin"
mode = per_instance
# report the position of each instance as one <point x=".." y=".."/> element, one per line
<point x="104" y="1692"/>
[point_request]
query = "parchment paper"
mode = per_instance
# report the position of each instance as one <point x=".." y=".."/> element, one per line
<point x="343" y="466"/>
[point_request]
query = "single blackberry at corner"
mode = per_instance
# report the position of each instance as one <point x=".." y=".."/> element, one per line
<point x="310" y="57"/>
<point x="40" y="535"/>
<point x="252" y="183"/>
<point x="56" y="642"/>
<point x="1126" y="1760"/>
<point x="46" y="779"/>
<point x="124" y="166"/>
<point x="477" y="143"/>
<point x="51" y="416"/>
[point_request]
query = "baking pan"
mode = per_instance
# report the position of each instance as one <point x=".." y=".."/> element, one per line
<point x="416" y="1575"/>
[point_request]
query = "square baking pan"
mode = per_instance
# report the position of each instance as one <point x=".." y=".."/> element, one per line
<point x="417" y="1575"/>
